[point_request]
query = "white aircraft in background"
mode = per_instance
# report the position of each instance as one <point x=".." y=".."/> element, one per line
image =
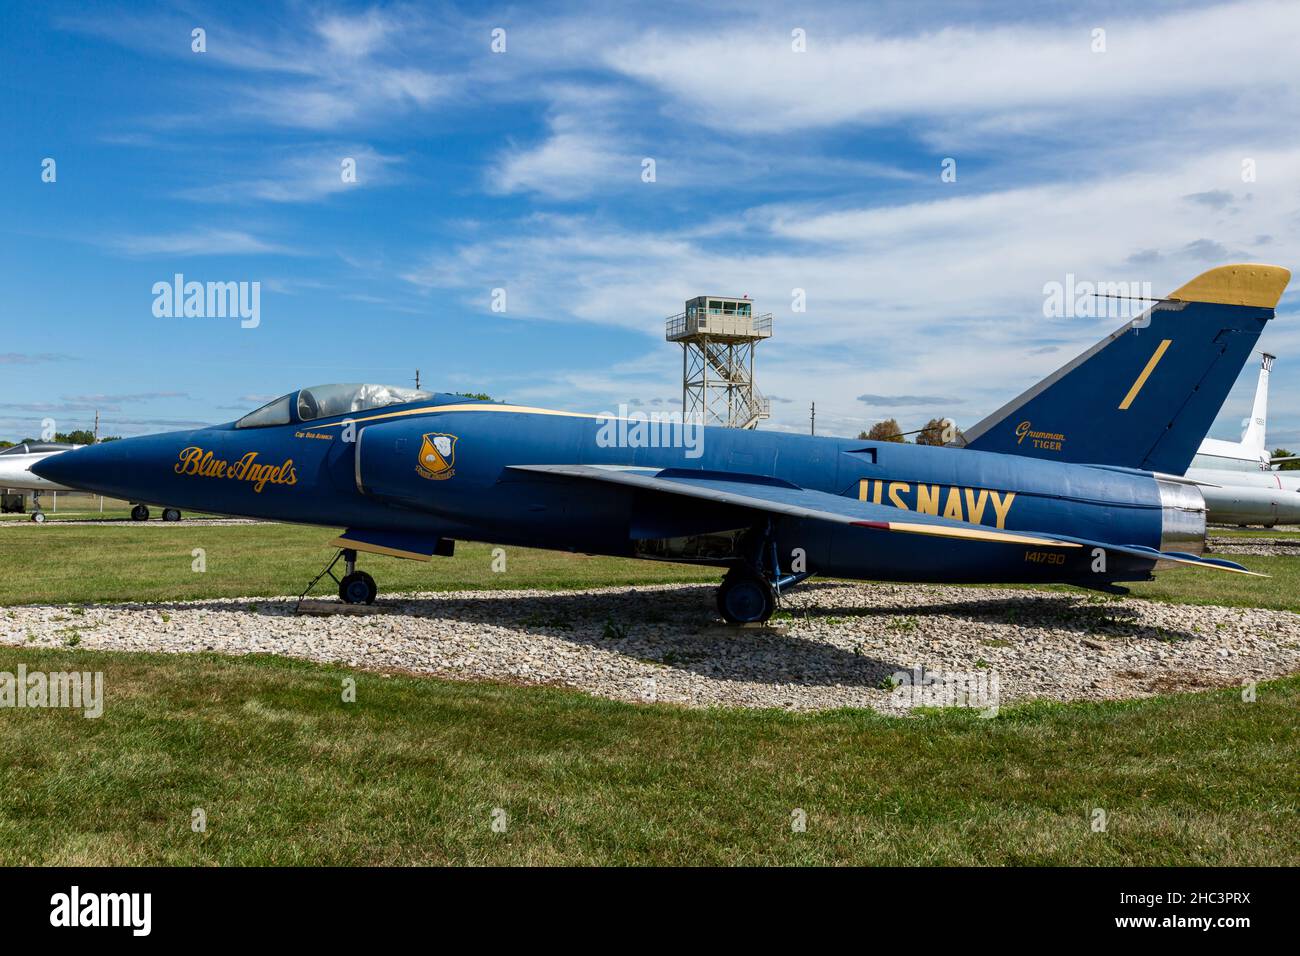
<point x="16" y="470"/>
<point x="1238" y="480"/>
<point x="16" y="474"/>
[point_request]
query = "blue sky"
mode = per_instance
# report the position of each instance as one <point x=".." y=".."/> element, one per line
<point x="775" y="170"/>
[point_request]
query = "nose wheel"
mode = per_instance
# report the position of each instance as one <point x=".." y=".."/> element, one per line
<point x="355" y="587"/>
<point x="358" y="588"/>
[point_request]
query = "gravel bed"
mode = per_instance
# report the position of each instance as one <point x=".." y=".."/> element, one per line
<point x="1275" y="547"/>
<point x="835" y="644"/>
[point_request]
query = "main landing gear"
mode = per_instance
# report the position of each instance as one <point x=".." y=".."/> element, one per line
<point x="745" y="598"/>
<point x="751" y="591"/>
<point x="355" y="587"/>
<point x="141" y="513"/>
<point x="37" y="514"/>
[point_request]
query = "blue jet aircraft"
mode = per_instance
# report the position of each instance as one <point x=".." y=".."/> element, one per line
<point x="1075" y="481"/>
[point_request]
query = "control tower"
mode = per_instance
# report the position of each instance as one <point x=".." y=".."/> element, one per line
<point x="718" y="335"/>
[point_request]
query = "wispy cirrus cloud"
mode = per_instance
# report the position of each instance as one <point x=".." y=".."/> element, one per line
<point x="905" y="401"/>
<point x="333" y="71"/>
<point x="198" y="242"/>
<point x="751" y="78"/>
<point x="122" y="398"/>
<point x="31" y="358"/>
<point x="304" y="173"/>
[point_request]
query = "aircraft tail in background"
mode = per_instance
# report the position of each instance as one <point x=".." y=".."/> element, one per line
<point x="1146" y="395"/>
<point x="1253" y="438"/>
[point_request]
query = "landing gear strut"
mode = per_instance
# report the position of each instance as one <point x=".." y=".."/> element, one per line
<point x="355" y="587"/>
<point x="751" y="591"/>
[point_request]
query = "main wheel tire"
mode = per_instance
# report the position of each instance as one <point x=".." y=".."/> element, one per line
<point x="38" y="517"/>
<point x="358" y="588"/>
<point x="140" y="513"/>
<point x="744" y="598"/>
<point x="171" y="514"/>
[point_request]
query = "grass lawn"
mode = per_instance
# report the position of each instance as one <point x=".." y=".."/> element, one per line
<point x="412" y="772"/>
<point x="127" y="562"/>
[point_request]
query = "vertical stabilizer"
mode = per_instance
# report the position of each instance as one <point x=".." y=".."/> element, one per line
<point x="1253" y="437"/>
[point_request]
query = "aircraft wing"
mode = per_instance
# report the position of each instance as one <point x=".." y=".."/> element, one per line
<point x="774" y="496"/>
<point x="777" y="497"/>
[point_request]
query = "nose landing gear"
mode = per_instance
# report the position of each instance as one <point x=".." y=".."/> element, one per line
<point x="355" y="587"/>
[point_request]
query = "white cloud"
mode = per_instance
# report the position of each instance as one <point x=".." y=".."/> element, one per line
<point x="331" y="72"/>
<point x="356" y="36"/>
<point x="197" y="242"/>
<point x="305" y="174"/>
<point x="568" y="164"/>
<point x="751" y="80"/>
<point x="914" y="297"/>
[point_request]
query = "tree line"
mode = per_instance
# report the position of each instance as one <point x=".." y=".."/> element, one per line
<point x="937" y="431"/>
<point x="80" y="436"/>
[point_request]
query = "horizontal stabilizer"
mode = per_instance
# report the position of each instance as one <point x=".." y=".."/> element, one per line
<point x="1182" y="557"/>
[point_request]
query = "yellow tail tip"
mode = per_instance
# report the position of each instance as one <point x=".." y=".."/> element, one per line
<point x="1244" y="283"/>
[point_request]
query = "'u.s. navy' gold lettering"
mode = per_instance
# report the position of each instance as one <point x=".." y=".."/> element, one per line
<point x="950" y="501"/>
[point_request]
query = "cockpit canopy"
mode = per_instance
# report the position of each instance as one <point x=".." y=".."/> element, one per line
<point x="324" y="401"/>
<point x="37" y="447"/>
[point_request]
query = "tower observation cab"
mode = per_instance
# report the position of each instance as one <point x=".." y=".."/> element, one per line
<point x="718" y="335"/>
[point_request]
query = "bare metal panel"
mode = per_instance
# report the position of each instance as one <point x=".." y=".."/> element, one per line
<point x="1182" y="514"/>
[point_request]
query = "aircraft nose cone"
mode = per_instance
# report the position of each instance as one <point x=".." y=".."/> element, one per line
<point x="71" y="468"/>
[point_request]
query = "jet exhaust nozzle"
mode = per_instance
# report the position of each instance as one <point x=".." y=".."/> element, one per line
<point x="1182" y="518"/>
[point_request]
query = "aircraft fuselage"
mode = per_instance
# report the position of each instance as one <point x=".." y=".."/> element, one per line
<point x="371" y="474"/>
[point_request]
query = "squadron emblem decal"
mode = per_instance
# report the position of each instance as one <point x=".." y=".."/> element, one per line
<point x="437" y="456"/>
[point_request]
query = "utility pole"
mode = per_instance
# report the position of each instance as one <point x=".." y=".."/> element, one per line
<point x="812" y="420"/>
<point x="96" y="427"/>
<point x="417" y="379"/>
